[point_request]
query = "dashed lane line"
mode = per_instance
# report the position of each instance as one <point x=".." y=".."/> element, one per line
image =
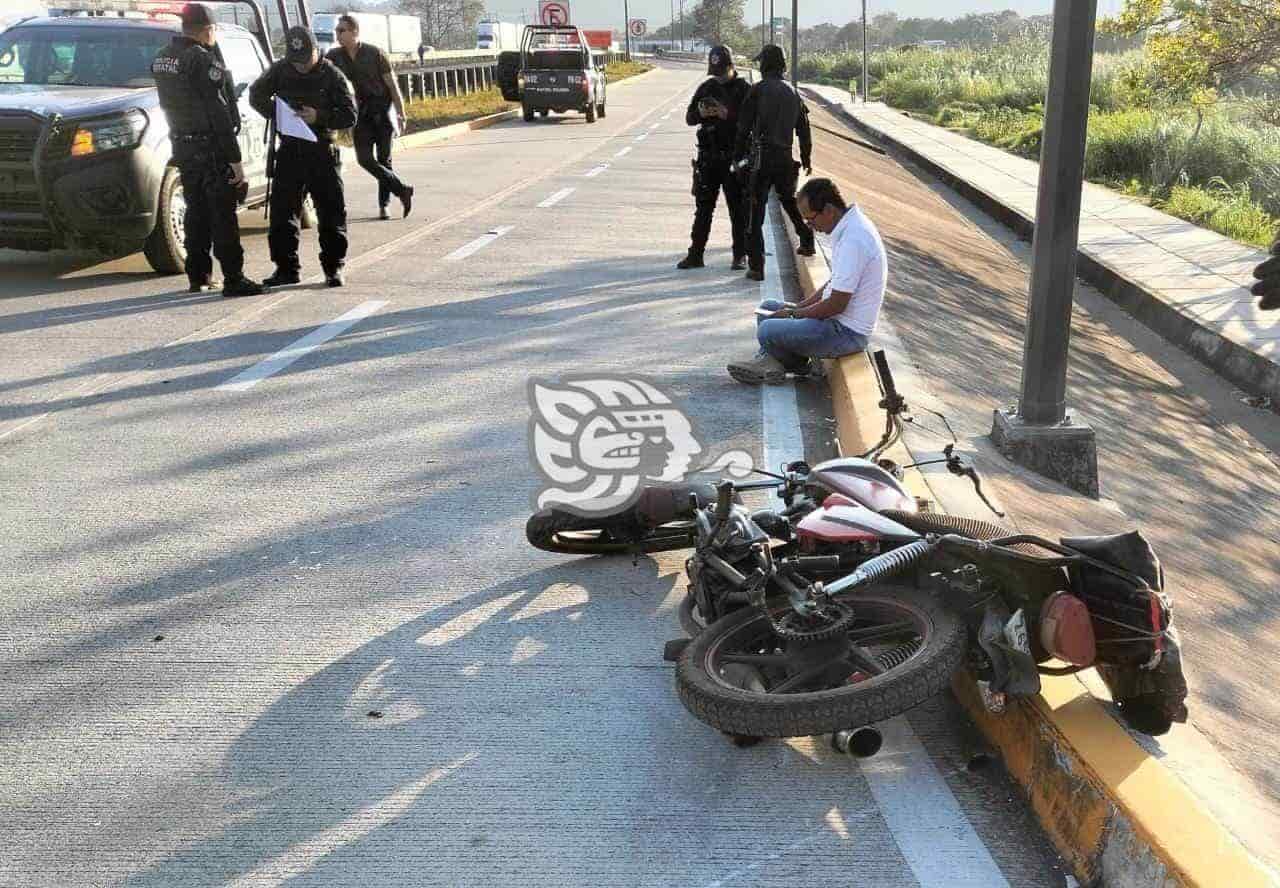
<point x="556" y="198"/>
<point x="624" y="152"/>
<point x="596" y="170"/>
<point x="478" y="244"/>
<point x="272" y="365"/>
<point x="642" y="137"/>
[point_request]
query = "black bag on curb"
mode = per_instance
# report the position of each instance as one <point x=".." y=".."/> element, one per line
<point x="1139" y="655"/>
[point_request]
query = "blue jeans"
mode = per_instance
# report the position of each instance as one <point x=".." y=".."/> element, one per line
<point x="794" y="340"/>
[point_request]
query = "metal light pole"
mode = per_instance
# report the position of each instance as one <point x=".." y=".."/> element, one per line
<point x="626" y="29"/>
<point x="761" y="25"/>
<point x="772" y="38"/>
<point x="795" y="56"/>
<point x="682" y="25"/>
<point x="1039" y="434"/>
<point x="864" y="52"/>
<point x="671" y="28"/>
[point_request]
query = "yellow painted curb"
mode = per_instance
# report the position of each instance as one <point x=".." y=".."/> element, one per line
<point x="1117" y="815"/>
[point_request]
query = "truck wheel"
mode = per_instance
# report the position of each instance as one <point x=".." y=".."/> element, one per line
<point x="591" y="112"/>
<point x="307" y="218"/>
<point x="600" y="110"/>
<point x="528" y="113"/>
<point x="165" y="248"/>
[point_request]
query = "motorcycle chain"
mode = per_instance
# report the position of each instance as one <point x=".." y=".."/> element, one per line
<point x="832" y="619"/>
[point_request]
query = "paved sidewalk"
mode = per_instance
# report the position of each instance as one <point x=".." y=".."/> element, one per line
<point x="1188" y="283"/>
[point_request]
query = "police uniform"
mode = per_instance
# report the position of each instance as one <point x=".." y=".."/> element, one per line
<point x="303" y="167"/>
<point x="773" y="116"/>
<point x="199" y="101"/>
<point x="712" y="172"/>
<point x="1268" y="285"/>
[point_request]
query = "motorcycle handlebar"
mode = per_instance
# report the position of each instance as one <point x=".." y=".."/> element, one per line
<point x="724" y="500"/>
<point x="886" y="377"/>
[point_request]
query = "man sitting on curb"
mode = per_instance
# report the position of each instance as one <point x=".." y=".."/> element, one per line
<point x="839" y="318"/>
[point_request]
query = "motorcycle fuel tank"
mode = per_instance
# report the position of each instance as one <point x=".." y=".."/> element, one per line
<point x="851" y="524"/>
<point x="863" y="481"/>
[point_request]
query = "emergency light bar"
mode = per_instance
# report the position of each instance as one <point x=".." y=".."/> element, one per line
<point x="150" y="7"/>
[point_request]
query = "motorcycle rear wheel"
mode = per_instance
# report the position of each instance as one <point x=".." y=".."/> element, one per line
<point x="554" y="530"/>
<point x="746" y="637"/>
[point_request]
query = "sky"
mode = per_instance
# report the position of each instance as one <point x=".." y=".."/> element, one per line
<point x="608" y="13"/>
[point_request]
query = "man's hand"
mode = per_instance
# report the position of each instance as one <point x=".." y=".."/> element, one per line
<point x="400" y="120"/>
<point x="237" y="174"/>
<point x="308" y="114"/>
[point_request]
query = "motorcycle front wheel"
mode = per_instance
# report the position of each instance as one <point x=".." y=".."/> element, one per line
<point x="738" y="676"/>
<point x="555" y="530"/>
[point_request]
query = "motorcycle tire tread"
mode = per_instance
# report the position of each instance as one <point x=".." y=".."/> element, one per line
<point x="542" y="527"/>
<point x="802" y="715"/>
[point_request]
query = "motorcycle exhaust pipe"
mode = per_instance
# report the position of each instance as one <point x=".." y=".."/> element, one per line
<point x="857" y="742"/>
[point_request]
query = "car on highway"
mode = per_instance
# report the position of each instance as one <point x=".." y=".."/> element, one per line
<point x="85" y="156"/>
<point x="555" y="70"/>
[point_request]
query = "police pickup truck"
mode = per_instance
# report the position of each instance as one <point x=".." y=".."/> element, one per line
<point x="85" y="158"/>
<point x="555" y="70"/>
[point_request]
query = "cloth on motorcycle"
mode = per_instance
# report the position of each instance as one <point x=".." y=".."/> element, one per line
<point x="1150" y="699"/>
<point x="1268" y="284"/>
<point x="1014" y="672"/>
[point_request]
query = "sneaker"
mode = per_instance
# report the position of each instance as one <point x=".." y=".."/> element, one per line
<point x="242" y="286"/>
<point x="207" y="285"/>
<point x="282" y="279"/>
<point x="806" y="249"/>
<point x="383" y="214"/>
<point x="755" y="274"/>
<point x="334" y="279"/>
<point x="406" y="200"/>
<point x="693" y="260"/>
<point x="739" y="263"/>
<point x="760" y="369"/>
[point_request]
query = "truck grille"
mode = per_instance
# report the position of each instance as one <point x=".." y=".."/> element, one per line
<point x="18" y="137"/>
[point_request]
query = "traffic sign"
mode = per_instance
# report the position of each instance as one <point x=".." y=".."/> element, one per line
<point x="553" y="12"/>
<point x="639" y="27"/>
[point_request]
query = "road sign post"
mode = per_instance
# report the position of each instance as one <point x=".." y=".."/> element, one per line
<point x="553" y="12"/>
<point x="1039" y="433"/>
<point x="636" y="28"/>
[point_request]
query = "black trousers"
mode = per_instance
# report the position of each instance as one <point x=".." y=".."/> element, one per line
<point x="210" y="218"/>
<point x="712" y="178"/>
<point x="372" y="136"/>
<point x="778" y="172"/>
<point x="313" y="168"/>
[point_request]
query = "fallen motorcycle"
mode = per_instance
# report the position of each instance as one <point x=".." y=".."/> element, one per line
<point x="799" y="644"/>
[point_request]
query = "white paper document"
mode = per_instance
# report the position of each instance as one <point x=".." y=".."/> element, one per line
<point x="288" y="123"/>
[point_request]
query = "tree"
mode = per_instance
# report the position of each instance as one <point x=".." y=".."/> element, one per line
<point x="1199" y="47"/>
<point x="721" y="21"/>
<point x="446" y="24"/>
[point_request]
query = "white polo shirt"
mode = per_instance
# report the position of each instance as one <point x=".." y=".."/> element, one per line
<point x="859" y="267"/>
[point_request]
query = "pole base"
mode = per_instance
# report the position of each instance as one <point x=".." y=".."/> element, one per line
<point x="1066" y="453"/>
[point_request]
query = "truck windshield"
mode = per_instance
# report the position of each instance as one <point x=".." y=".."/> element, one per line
<point x="80" y="56"/>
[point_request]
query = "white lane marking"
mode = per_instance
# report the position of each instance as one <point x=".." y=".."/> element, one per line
<point x="624" y="152"/>
<point x="654" y="127"/>
<point x="782" y="439"/>
<point x="928" y="825"/>
<point x="596" y="170"/>
<point x="642" y="137"/>
<point x="478" y="244"/>
<point x="313" y="340"/>
<point x="556" y="198"/>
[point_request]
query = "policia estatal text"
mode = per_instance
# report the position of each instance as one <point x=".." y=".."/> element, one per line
<point x="199" y="100"/>
<point x="714" y="110"/>
<point x="771" y="117"/>
<point x="322" y="97"/>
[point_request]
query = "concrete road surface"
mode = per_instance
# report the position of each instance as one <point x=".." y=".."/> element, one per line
<point x="268" y="614"/>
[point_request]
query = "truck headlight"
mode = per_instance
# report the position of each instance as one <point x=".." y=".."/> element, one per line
<point x="108" y="134"/>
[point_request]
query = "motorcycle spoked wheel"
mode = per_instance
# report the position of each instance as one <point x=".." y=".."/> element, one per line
<point x="553" y="530"/>
<point x="919" y="643"/>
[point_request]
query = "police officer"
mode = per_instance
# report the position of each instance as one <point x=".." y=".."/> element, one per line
<point x="714" y="111"/>
<point x="771" y="116"/>
<point x="321" y="96"/>
<point x="199" y="101"/>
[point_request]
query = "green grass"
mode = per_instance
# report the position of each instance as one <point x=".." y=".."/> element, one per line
<point x="616" y="71"/>
<point x="1225" y="177"/>
<point x="431" y="113"/>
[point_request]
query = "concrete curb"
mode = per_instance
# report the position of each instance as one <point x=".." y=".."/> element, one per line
<point x="1252" y="372"/>
<point x="1112" y="809"/>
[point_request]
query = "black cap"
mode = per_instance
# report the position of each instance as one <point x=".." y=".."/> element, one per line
<point x="771" y="58"/>
<point x="299" y="43"/>
<point x="719" y="60"/>
<point x="196" y="15"/>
